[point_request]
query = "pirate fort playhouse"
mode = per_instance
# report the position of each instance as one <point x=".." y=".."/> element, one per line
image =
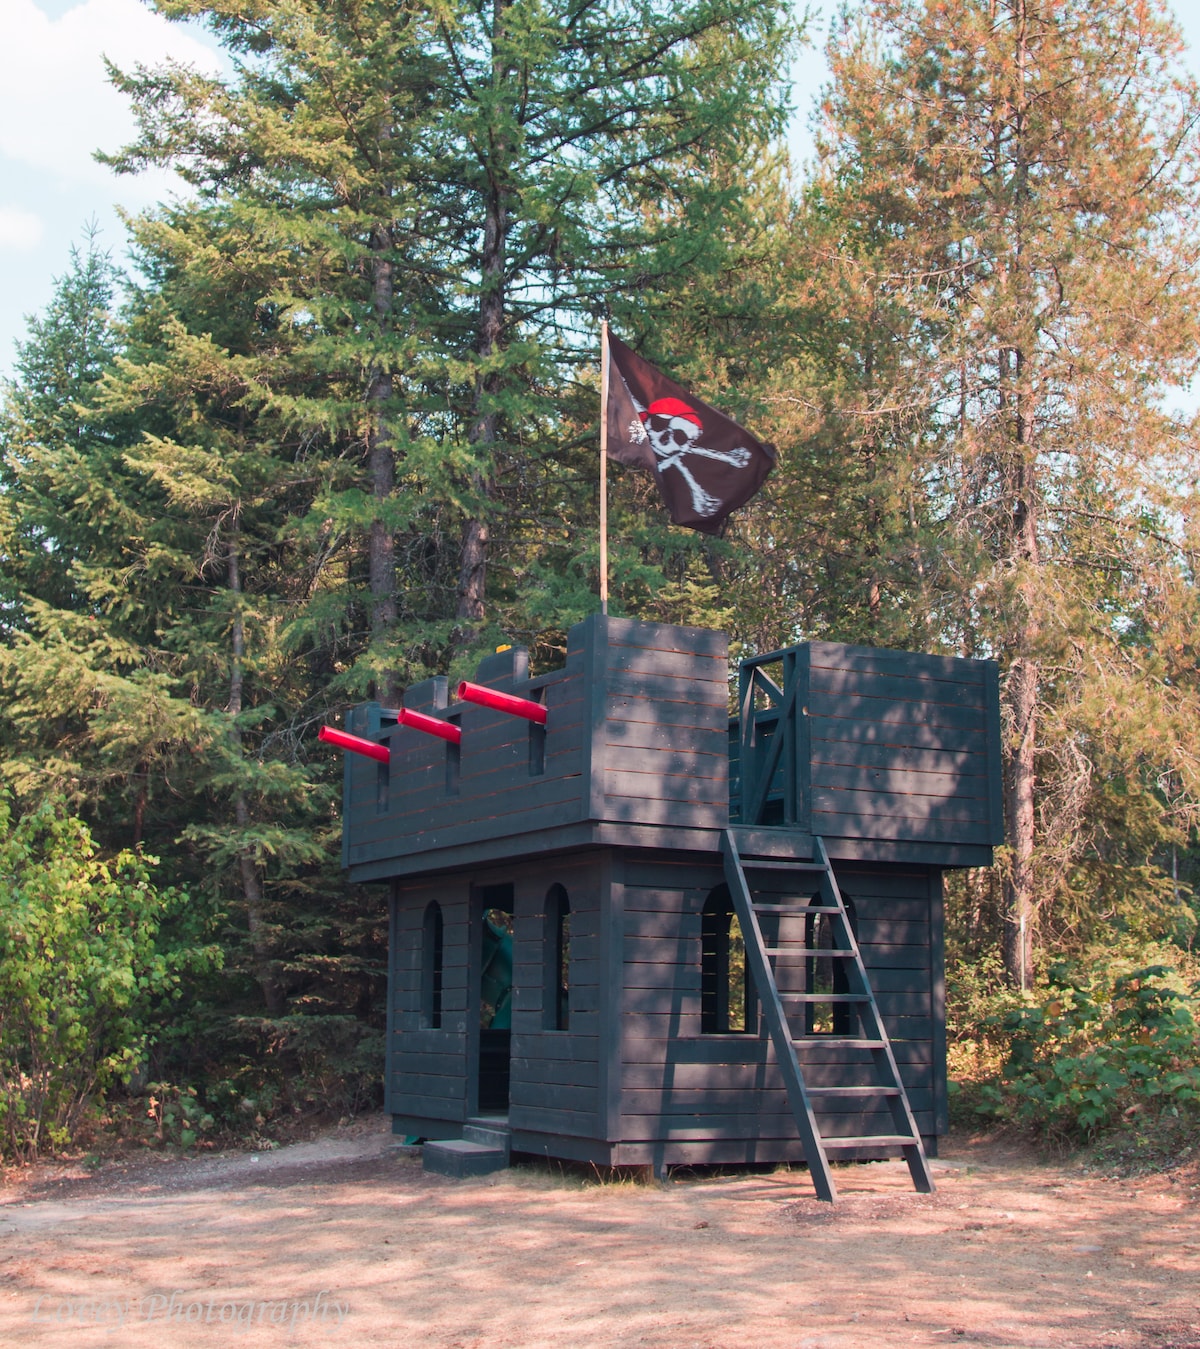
<point x="630" y="929"/>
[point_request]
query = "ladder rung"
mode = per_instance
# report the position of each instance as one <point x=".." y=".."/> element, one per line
<point x="839" y="1042"/>
<point x="853" y="1091"/>
<point x="768" y="864"/>
<point x="799" y="910"/>
<point x="870" y="1141"/>
<point x="809" y="952"/>
<point x="824" y="997"/>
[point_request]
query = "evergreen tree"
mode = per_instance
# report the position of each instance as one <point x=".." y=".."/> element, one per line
<point x="344" y="386"/>
<point x="447" y="198"/>
<point x="87" y="705"/>
<point x="1014" y="185"/>
<point x="57" y="367"/>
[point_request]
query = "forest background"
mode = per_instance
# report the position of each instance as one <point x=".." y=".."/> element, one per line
<point x="335" y="430"/>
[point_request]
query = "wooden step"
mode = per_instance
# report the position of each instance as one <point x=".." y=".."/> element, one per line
<point x="854" y="1091"/>
<point x="460" y="1158"/>
<point x="870" y="1141"/>
<point x="772" y="864"/>
<point x="800" y="949"/>
<point x="824" y="997"/>
<point x="804" y="909"/>
<point x="838" y="1042"/>
<point x="491" y="1133"/>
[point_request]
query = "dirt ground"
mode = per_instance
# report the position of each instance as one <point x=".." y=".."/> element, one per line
<point x="345" y="1241"/>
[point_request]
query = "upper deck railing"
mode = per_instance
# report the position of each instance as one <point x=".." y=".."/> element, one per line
<point x="895" y="750"/>
<point x="854" y="742"/>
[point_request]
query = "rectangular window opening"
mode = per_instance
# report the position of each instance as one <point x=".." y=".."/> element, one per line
<point x="537" y="738"/>
<point x="453" y="760"/>
<point x="537" y="749"/>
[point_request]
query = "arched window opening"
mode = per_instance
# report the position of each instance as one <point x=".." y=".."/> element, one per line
<point x="556" y="1001"/>
<point x="431" y="967"/>
<point x="827" y="973"/>
<point x="726" y="994"/>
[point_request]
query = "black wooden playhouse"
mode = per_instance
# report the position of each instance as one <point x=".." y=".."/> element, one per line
<point x="616" y="853"/>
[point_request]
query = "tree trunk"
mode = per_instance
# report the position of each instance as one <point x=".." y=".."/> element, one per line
<point x="472" y="575"/>
<point x="1019" y="781"/>
<point x="1024" y="679"/>
<point x="139" y="805"/>
<point x="1024" y="676"/>
<point x="252" y="892"/>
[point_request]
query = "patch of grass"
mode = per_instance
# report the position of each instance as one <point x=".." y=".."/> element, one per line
<point x="557" y="1174"/>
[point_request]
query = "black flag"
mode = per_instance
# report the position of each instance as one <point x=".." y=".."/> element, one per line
<point x="705" y="464"/>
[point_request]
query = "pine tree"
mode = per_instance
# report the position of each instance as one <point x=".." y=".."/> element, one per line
<point x="87" y="708"/>
<point x="447" y="197"/>
<point x="329" y="412"/>
<point x="1016" y="181"/>
<point x="57" y="367"/>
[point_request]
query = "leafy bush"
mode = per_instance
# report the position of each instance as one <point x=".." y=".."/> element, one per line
<point x="1092" y="1051"/>
<point x="177" y="1114"/>
<point x="312" y="1061"/>
<point x="83" y="965"/>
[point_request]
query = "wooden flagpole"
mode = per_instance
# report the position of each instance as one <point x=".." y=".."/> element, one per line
<point x="604" y="467"/>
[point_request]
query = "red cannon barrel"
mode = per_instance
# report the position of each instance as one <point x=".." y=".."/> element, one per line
<point x="355" y="744"/>
<point x="444" y="730"/>
<point x="502" y="702"/>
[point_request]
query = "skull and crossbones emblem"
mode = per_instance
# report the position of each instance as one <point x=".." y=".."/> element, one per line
<point x="672" y="427"/>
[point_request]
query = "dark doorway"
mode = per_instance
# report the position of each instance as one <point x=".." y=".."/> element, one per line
<point x="495" y="997"/>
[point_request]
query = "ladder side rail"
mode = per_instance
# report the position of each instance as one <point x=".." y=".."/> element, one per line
<point x="776" y="1019"/>
<point x="899" y="1106"/>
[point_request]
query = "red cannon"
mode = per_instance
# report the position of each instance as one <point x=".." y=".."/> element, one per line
<point x="418" y="721"/>
<point x="502" y="702"/>
<point x="355" y="744"/>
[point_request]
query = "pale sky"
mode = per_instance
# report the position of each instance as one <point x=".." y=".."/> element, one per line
<point x="56" y="107"/>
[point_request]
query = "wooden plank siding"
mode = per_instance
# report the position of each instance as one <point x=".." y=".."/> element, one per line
<point x="679" y="1086"/>
<point x="894" y="747"/>
<point x="555" y="1075"/>
<point x="902" y="746"/>
<point x="426" y="1068"/>
<point x="633" y="1070"/>
<point x="900" y="753"/>
<point x="635" y="733"/>
<point x="900" y="775"/>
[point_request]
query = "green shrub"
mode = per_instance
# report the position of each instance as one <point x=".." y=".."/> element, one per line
<point x="1093" y="1050"/>
<point x="1085" y="1056"/>
<point x="176" y="1114"/>
<point x="82" y="967"/>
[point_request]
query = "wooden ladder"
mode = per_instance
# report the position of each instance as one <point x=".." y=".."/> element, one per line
<point x="858" y="999"/>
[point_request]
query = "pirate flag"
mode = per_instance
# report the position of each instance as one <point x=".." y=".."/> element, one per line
<point x="705" y="464"/>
